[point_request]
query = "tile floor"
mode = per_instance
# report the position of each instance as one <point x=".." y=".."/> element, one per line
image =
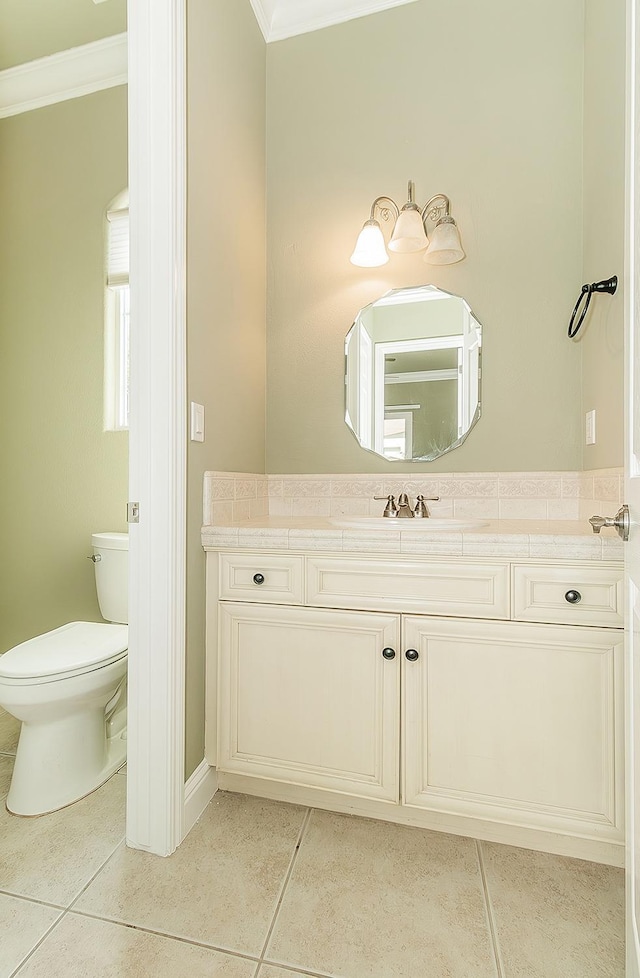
<point x="265" y="890"/>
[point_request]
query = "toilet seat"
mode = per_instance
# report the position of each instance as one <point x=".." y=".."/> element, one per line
<point x="71" y="650"/>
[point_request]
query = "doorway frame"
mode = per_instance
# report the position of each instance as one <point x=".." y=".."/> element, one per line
<point x="158" y="418"/>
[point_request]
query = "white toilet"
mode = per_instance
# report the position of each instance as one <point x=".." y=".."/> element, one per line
<point x="68" y="689"/>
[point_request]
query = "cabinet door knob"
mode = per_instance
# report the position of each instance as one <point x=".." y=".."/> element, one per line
<point x="412" y="655"/>
<point x="258" y="578"/>
<point x="573" y="597"/>
<point x="389" y="653"/>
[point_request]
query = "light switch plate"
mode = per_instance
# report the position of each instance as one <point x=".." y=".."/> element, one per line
<point x="197" y="421"/>
<point x="590" y="428"/>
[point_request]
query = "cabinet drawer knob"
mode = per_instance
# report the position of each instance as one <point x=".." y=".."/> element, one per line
<point x="573" y="597"/>
<point x="258" y="578"/>
<point x="388" y="653"/>
<point x="412" y="655"/>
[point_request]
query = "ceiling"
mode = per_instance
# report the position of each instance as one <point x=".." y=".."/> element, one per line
<point x="284" y="18"/>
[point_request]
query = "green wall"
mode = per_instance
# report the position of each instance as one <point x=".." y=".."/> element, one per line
<point x="225" y="283"/>
<point x="37" y="28"/>
<point x="483" y="102"/>
<point x="62" y="476"/>
<point x="601" y="339"/>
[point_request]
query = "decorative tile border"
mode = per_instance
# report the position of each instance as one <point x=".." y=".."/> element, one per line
<point x="241" y="496"/>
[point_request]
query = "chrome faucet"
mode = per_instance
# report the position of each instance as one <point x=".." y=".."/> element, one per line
<point x="403" y="509"/>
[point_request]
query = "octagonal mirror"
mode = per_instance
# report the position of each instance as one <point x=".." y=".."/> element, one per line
<point x="413" y="366"/>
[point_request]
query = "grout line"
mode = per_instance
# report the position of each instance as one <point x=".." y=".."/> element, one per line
<point x="143" y="930"/>
<point x="294" y="970"/>
<point x="63" y="913"/>
<point x="97" y="873"/>
<point x="489" y="909"/>
<point x="28" y="899"/>
<point x="35" y="947"/>
<point x="287" y="877"/>
<point x="168" y="936"/>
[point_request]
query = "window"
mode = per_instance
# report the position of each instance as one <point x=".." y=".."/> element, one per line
<point x="116" y="333"/>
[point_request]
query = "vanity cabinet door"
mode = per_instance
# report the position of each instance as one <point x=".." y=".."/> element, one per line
<point x="307" y="697"/>
<point x="515" y="723"/>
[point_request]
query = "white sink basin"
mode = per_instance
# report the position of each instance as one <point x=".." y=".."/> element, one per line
<point x="393" y="523"/>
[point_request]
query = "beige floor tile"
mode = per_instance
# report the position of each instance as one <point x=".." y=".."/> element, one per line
<point x="9" y="732"/>
<point x="83" y="948"/>
<point x="6" y="768"/>
<point x="371" y="898"/>
<point x="22" y="925"/>
<point x="52" y="857"/>
<point x="555" y="916"/>
<point x="221" y="886"/>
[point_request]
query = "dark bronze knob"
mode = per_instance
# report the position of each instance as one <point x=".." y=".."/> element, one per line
<point x="412" y="655"/>
<point x="389" y="653"/>
<point x="573" y="597"/>
<point x="258" y="578"/>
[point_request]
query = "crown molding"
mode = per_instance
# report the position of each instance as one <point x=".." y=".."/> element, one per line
<point x="279" y="19"/>
<point x="69" y="74"/>
<point x="263" y="14"/>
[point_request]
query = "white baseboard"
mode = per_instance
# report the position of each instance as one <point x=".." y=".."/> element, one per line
<point x="198" y="792"/>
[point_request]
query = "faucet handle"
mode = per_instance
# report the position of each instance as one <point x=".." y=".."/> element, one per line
<point x="421" y="510"/>
<point x="390" y="509"/>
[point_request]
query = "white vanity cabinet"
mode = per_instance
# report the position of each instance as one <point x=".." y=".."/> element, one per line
<point x="454" y="693"/>
<point x="307" y="697"/>
<point x="513" y="721"/>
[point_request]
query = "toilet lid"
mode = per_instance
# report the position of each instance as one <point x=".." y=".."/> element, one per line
<point x="76" y="647"/>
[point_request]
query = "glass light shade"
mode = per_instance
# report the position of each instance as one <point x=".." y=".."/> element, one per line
<point x="445" y="247"/>
<point x="370" y="251"/>
<point x="409" y="234"/>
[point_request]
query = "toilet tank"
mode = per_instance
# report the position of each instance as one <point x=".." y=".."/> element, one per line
<point x="111" y="564"/>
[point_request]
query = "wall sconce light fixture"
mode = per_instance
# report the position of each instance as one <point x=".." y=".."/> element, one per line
<point x="409" y="232"/>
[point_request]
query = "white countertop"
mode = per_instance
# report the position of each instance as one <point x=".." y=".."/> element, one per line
<point x="541" y="539"/>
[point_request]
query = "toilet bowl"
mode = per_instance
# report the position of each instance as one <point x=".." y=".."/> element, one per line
<point x="67" y="687"/>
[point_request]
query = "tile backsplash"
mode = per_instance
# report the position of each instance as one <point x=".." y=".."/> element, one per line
<point x="238" y="496"/>
<point x="233" y="496"/>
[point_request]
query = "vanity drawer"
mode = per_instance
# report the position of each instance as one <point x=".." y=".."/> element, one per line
<point x="545" y="593"/>
<point x="270" y="578"/>
<point x="444" y="588"/>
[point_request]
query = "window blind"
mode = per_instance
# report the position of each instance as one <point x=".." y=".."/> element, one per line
<point x="118" y="248"/>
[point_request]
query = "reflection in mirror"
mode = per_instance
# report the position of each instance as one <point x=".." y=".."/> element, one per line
<point x="413" y="374"/>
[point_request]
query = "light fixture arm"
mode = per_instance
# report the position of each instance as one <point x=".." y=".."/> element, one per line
<point x="409" y="233"/>
<point x="433" y="211"/>
<point x="385" y="209"/>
